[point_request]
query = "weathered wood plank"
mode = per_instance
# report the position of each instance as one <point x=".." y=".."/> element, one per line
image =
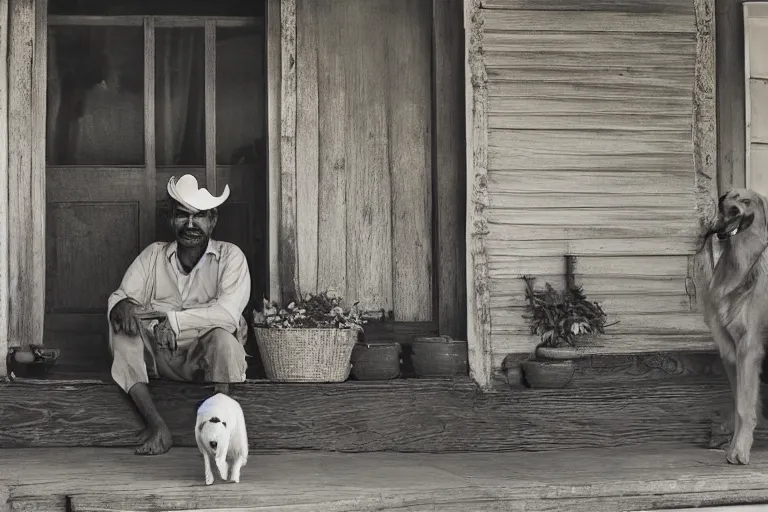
<point x="333" y="165"/>
<point x="637" y="229"/>
<point x="4" y="183"/>
<point x="588" y="21"/>
<point x="622" y="6"/>
<point x="704" y="143"/>
<point x="26" y="183"/>
<point x="510" y="320"/>
<point x="505" y="343"/>
<point x="452" y="416"/>
<point x="536" y="200"/>
<point x="587" y="181"/>
<point x="369" y="184"/>
<point x="274" y="114"/>
<point x="476" y="119"/>
<point x="534" y="41"/>
<point x="593" y="246"/>
<point x="210" y="106"/>
<point x="758" y="99"/>
<point x="730" y="95"/>
<point x="647" y="266"/>
<point x="288" y="265"/>
<point x="624" y="303"/>
<point x="148" y="204"/>
<point x="756" y="31"/>
<point x="525" y="100"/>
<point x="616" y="92"/>
<point x="665" y="79"/>
<point x="567" y="61"/>
<point x="583" y="121"/>
<point x="598" y="284"/>
<point x="591" y="217"/>
<point x="449" y="172"/>
<point x="409" y="94"/>
<point x="307" y="145"/>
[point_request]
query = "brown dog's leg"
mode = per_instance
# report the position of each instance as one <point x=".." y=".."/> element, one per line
<point x="749" y="360"/>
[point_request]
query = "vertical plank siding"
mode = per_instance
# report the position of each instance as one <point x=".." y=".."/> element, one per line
<point x="363" y="153"/>
<point x="590" y="110"/>
<point x="4" y="296"/>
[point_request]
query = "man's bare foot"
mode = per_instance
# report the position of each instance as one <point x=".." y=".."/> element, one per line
<point x="159" y="441"/>
<point x="144" y="435"/>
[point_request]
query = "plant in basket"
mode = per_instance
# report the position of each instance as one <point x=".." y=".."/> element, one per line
<point x="308" y="340"/>
<point x="560" y="319"/>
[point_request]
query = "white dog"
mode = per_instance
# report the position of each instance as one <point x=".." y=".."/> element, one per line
<point x="221" y="437"/>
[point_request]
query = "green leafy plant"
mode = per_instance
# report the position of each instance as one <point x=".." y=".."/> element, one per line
<point x="316" y="311"/>
<point x="559" y="317"/>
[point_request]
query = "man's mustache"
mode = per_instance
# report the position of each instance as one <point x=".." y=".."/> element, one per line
<point x="192" y="232"/>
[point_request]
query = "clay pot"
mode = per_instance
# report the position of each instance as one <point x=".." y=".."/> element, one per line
<point x="548" y="374"/>
<point x="376" y="361"/>
<point x="439" y="356"/>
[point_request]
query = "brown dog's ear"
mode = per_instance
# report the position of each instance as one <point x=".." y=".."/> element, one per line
<point x="720" y="201"/>
<point x="764" y="205"/>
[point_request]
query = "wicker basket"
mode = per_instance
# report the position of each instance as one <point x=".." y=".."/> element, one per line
<point x="306" y="355"/>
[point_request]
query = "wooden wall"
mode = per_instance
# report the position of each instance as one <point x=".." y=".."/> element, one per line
<point x="588" y="109"/>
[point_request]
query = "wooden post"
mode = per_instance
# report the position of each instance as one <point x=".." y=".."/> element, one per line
<point x="449" y="168"/>
<point x="704" y="145"/>
<point x="274" y="81"/>
<point x="478" y="292"/>
<point x="4" y="298"/>
<point x="26" y="169"/>
<point x="287" y="239"/>
<point x="210" y="107"/>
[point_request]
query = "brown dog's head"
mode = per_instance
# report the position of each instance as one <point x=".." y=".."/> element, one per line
<point x="740" y="211"/>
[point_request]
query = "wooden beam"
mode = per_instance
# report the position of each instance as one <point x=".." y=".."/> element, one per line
<point x="210" y="107"/>
<point x="4" y="297"/>
<point x="147" y="228"/>
<point x="449" y="167"/>
<point x="274" y="83"/>
<point x="478" y="292"/>
<point x="287" y="238"/>
<point x="704" y="145"/>
<point x="452" y="416"/>
<point x="26" y="158"/>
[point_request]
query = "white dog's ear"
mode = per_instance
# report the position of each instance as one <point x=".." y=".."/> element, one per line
<point x="200" y="427"/>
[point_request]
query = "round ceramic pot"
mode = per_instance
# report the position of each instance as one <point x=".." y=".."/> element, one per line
<point x="548" y="374"/>
<point x="439" y="356"/>
<point x="376" y="361"/>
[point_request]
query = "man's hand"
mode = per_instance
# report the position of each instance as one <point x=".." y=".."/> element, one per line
<point x="164" y="335"/>
<point x="123" y="318"/>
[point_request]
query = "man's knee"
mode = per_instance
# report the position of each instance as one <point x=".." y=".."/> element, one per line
<point x="123" y="345"/>
<point x="221" y="341"/>
<point x="225" y="357"/>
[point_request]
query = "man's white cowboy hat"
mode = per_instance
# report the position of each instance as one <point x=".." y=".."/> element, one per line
<point x="196" y="199"/>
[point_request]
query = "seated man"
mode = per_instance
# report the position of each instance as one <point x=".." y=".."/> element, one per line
<point x="178" y="311"/>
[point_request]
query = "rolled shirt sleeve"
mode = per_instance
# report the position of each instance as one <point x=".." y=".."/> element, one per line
<point x="134" y="284"/>
<point x="225" y="310"/>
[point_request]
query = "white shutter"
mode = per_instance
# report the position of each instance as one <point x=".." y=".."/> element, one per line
<point x="756" y="90"/>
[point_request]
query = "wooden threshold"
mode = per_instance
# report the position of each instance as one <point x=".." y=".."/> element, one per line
<point x="650" y="477"/>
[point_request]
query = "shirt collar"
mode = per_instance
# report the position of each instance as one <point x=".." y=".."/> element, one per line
<point x="212" y="248"/>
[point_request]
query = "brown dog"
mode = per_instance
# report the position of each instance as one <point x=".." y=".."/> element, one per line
<point x="736" y="309"/>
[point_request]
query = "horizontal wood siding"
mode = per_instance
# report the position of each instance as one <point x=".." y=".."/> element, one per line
<point x="590" y="153"/>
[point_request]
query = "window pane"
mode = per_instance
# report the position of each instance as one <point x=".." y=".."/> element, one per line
<point x="95" y="112"/>
<point x="180" y="96"/>
<point x="159" y="7"/>
<point x="240" y="96"/>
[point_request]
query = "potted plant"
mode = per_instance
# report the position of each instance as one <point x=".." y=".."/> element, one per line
<point x="310" y="340"/>
<point x="559" y="319"/>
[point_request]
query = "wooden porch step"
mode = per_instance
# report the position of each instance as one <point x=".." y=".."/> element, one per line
<point x="401" y="415"/>
<point x="647" y="478"/>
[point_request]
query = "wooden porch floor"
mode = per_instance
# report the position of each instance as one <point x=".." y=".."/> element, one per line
<point x="609" y="479"/>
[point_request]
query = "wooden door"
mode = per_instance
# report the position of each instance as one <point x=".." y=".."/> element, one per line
<point x="132" y="101"/>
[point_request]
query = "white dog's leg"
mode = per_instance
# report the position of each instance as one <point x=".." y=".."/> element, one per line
<point x="208" y="473"/>
<point x="234" y="474"/>
<point x="221" y="464"/>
